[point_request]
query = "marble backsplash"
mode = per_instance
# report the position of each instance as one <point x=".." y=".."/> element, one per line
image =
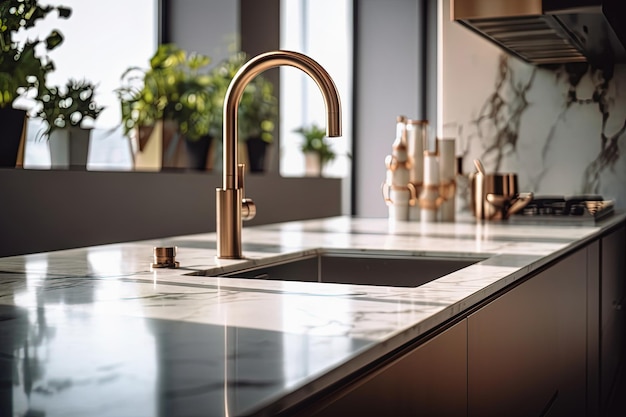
<point x="560" y="127"/>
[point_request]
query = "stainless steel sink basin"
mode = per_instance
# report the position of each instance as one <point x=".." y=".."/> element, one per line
<point x="370" y="268"/>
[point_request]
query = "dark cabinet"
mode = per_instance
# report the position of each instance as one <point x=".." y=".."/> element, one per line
<point x="527" y="349"/>
<point x="512" y="352"/>
<point x="612" y="276"/>
<point x="571" y="300"/>
<point x="430" y="380"/>
<point x="593" y="329"/>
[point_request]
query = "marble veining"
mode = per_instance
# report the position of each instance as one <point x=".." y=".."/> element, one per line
<point x="95" y="332"/>
<point x="501" y="121"/>
<point x="498" y="122"/>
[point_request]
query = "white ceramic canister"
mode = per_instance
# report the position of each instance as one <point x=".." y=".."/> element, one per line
<point x="430" y="200"/>
<point x="447" y="180"/>
<point x="416" y="137"/>
<point x="396" y="189"/>
<point x="399" y="203"/>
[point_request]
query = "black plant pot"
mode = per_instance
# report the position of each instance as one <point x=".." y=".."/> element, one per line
<point x="12" y="137"/>
<point x="257" y="149"/>
<point x="198" y="152"/>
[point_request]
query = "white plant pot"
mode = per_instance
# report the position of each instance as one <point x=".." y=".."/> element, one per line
<point x="69" y="148"/>
<point x="312" y="164"/>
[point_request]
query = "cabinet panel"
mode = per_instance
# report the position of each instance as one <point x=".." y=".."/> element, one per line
<point x="429" y="381"/>
<point x="593" y="329"/>
<point x="512" y="352"/>
<point x="613" y="272"/>
<point x="571" y="302"/>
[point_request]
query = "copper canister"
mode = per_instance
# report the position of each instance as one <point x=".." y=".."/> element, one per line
<point x="496" y="196"/>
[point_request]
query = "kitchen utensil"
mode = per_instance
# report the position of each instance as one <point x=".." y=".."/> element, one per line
<point x="496" y="196"/>
<point x="479" y="166"/>
<point x="508" y="205"/>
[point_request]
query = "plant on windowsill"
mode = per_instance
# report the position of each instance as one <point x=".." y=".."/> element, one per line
<point x="317" y="151"/>
<point x="21" y="69"/>
<point x="69" y="114"/>
<point x="257" y="112"/>
<point x="175" y="95"/>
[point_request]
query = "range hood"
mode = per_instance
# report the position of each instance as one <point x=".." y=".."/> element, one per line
<point x="549" y="31"/>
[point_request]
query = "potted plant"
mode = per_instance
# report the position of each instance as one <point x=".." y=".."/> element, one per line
<point x="257" y="113"/>
<point x="69" y="114"/>
<point x="317" y="150"/>
<point x="21" y="70"/>
<point x="170" y="104"/>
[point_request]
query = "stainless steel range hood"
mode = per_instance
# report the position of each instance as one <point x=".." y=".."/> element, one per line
<point x="549" y="31"/>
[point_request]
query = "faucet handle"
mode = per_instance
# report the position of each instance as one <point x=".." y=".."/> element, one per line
<point x="248" y="208"/>
<point x="241" y="170"/>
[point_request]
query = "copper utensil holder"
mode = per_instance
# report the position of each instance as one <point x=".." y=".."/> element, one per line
<point x="496" y="196"/>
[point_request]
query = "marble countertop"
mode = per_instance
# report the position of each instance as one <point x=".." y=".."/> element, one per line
<point x="94" y="331"/>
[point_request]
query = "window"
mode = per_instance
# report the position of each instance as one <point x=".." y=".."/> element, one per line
<point x="309" y="27"/>
<point x="102" y="39"/>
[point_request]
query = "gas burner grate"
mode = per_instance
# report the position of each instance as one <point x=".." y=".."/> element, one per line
<point x="581" y="208"/>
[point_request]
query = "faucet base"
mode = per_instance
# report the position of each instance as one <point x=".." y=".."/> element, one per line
<point x="228" y="223"/>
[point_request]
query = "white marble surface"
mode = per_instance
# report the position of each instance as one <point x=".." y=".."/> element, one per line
<point x="95" y="332"/>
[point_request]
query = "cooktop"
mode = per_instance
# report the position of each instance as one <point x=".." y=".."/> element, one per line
<point x="572" y="209"/>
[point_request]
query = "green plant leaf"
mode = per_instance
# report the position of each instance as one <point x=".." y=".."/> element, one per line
<point x="64" y="12"/>
<point x="315" y="141"/>
<point x="71" y="105"/>
<point x="18" y="60"/>
<point x="54" y="39"/>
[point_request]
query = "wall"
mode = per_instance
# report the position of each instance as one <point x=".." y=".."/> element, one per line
<point x="258" y="38"/>
<point x="207" y="27"/>
<point x="44" y="210"/>
<point x="560" y="128"/>
<point x="386" y="65"/>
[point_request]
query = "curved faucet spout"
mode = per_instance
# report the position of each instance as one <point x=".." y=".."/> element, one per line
<point x="253" y="68"/>
<point x="231" y="205"/>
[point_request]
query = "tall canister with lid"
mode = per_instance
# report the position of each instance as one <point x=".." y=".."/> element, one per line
<point x="417" y="139"/>
<point x="396" y="188"/>
<point x="447" y="178"/>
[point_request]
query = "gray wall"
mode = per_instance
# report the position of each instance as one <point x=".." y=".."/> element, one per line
<point x="208" y="27"/>
<point x="387" y="86"/>
<point x="43" y="210"/>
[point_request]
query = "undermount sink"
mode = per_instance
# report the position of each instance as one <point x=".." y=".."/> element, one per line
<point x="359" y="268"/>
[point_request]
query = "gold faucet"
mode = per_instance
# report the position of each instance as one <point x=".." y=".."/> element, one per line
<point x="231" y="205"/>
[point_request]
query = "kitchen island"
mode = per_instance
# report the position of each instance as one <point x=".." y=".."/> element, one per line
<point x="535" y="316"/>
